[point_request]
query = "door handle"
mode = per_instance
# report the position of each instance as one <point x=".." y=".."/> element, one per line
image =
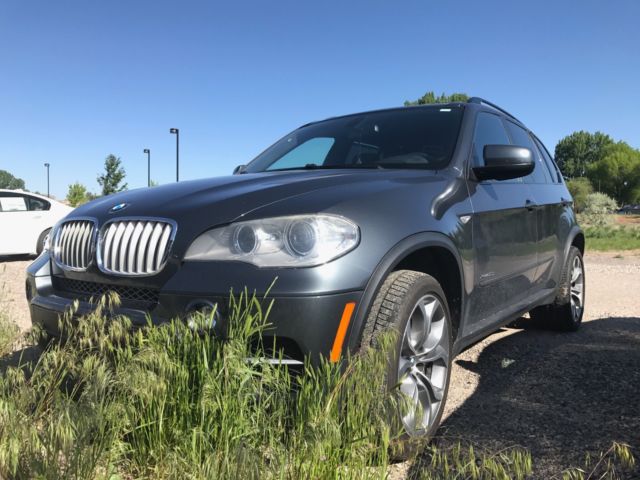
<point x="531" y="205"/>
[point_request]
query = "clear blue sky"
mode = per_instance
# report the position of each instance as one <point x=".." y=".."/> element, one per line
<point x="82" y="79"/>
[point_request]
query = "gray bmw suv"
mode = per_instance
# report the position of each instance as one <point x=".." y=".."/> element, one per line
<point x="441" y="222"/>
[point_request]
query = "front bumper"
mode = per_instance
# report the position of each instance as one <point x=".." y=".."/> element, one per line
<point x="302" y="324"/>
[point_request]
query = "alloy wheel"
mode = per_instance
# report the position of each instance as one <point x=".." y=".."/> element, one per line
<point x="423" y="365"/>
<point x="577" y="288"/>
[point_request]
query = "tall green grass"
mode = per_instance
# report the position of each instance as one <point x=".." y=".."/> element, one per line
<point x="612" y="238"/>
<point x="174" y="401"/>
<point x="177" y="402"/>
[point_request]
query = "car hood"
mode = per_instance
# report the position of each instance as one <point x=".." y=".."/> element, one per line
<point x="202" y="204"/>
<point x="223" y="199"/>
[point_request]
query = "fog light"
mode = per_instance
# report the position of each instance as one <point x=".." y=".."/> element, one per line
<point x="202" y="314"/>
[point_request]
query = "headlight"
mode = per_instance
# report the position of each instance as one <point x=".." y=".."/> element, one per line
<point x="295" y="241"/>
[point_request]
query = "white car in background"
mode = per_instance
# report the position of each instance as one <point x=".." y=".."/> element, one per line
<point x="26" y="220"/>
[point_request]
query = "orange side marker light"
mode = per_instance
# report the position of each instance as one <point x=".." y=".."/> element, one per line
<point x="336" y="351"/>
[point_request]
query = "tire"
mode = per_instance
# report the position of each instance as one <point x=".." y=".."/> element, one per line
<point x="420" y="362"/>
<point x="41" y="241"/>
<point x="566" y="311"/>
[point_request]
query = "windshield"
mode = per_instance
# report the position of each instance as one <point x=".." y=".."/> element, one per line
<point x="415" y="138"/>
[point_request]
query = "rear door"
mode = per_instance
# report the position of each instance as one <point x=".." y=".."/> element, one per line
<point x="38" y="219"/>
<point x="546" y="203"/>
<point x="14" y="224"/>
<point x="504" y="234"/>
<point x="554" y="219"/>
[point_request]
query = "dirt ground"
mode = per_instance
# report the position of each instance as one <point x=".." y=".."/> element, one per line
<point x="559" y="395"/>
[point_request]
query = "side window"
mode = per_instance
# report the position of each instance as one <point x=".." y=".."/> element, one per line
<point x="489" y="131"/>
<point x="38" y="204"/>
<point x="13" y="203"/>
<point x="551" y="165"/>
<point x="313" y="151"/>
<point x="521" y="138"/>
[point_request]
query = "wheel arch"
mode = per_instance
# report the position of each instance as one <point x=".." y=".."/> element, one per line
<point x="578" y="241"/>
<point x="575" y="238"/>
<point x="429" y="252"/>
<point x="41" y="236"/>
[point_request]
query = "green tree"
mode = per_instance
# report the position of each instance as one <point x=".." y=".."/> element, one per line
<point x="10" y="182"/>
<point x="77" y="194"/>
<point x="576" y="152"/>
<point x="617" y="173"/>
<point x="111" y="180"/>
<point x="580" y="189"/>
<point x="430" y="97"/>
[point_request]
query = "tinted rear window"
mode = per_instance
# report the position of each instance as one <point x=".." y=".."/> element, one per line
<point x="417" y="138"/>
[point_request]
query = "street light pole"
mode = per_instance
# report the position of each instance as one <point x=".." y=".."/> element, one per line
<point x="148" y="152"/>
<point x="47" y="165"/>
<point x="177" y="134"/>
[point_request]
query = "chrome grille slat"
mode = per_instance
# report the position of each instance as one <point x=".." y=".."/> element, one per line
<point x="162" y="247"/>
<point x="72" y="244"/>
<point x="115" y="249"/>
<point x="124" y="254"/>
<point x="81" y="239"/>
<point x="153" y="245"/>
<point x="63" y="247"/>
<point x="75" y="249"/>
<point x="142" y="247"/>
<point x="67" y="244"/>
<point x="132" y="247"/>
<point x="108" y="242"/>
<point x="86" y="244"/>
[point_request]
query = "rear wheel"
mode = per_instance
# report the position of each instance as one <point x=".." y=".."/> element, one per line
<point x="414" y="305"/>
<point x="566" y="312"/>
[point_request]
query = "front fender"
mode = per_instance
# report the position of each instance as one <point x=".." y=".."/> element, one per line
<point x="400" y="251"/>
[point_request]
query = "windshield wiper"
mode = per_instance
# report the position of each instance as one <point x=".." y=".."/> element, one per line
<point x="313" y="166"/>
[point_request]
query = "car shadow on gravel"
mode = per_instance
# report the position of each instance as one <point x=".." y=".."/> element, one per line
<point x="559" y="395"/>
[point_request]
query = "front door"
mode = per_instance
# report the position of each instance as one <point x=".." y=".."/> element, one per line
<point x="504" y="234"/>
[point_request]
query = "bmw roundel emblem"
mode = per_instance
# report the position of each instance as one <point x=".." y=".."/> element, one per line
<point x="118" y="207"/>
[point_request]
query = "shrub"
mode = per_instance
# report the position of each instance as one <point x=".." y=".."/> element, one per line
<point x="598" y="209"/>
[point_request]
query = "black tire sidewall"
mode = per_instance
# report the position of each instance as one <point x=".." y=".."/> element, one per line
<point x="572" y="323"/>
<point x="40" y="245"/>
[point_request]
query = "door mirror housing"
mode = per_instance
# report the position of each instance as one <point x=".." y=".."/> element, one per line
<point x="504" y="162"/>
<point x="239" y="169"/>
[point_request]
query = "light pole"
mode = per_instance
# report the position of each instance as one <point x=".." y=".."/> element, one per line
<point x="148" y="152"/>
<point x="47" y="165"/>
<point x="177" y="133"/>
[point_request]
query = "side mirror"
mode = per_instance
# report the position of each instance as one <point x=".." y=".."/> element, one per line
<point x="239" y="169"/>
<point x="504" y="162"/>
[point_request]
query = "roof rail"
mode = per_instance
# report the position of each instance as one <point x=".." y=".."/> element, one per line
<point x="487" y="102"/>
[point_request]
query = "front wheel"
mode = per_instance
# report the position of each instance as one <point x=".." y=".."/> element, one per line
<point x="414" y="305"/>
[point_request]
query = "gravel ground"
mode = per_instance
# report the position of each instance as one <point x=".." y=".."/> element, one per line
<point x="560" y="395"/>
